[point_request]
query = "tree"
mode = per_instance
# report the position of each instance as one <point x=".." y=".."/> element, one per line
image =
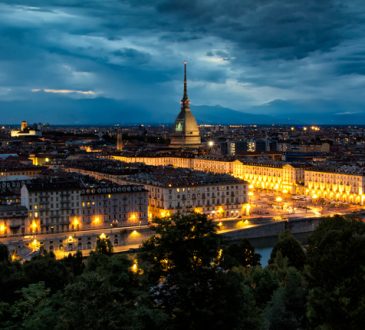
<point x="74" y="263"/>
<point x="241" y="254"/>
<point x="291" y="249"/>
<point x="336" y="272"/>
<point x="182" y="243"/>
<point x="184" y="259"/>
<point x="4" y="253"/>
<point x="107" y="295"/>
<point x="12" y="279"/>
<point x="104" y="246"/>
<point x="45" y="268"/>
<point x="287" y="307"/>
<point x="262" y="281"/>
<point x="32" y="296"/>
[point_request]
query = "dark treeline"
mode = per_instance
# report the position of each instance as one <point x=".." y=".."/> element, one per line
<point x="185" y="277"/>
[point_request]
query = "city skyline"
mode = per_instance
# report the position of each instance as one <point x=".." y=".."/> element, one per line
<point x="65" y="62"/>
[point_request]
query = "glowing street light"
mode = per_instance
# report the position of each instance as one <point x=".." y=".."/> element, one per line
<point x="2" y="229"/>
<point x="34" y="226"/>
<point x="35" y="245"/>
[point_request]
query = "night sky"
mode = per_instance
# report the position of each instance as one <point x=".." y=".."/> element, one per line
<point x="109" y="61"/>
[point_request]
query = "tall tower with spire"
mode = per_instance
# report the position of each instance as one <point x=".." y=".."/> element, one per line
<point x="186" y="132"/>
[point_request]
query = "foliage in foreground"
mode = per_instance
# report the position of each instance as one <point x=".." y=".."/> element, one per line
<point x="186" y="278"/>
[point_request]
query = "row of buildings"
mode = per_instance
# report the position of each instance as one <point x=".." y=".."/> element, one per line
<point x="77" y="202"/>
<point x="172" y="190"/>
<point x="59" y="204"/>
<point x="332" y="182"/>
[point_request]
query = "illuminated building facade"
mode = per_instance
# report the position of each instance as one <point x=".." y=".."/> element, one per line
<point x="68" y="206"/>
<point x="10" y="171"/>
<point x="275" y="176"/>
<point x="12" y="219"/>
<point x="52" y="206"/>
<point x="184" y="191"/>
<point x="335" y="185"/>
<point x="186" y="131"/>
<point x="25" y="130"/>
<point x="113" y="206"/>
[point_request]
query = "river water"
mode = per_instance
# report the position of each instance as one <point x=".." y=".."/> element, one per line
<point x="264" y="245"/>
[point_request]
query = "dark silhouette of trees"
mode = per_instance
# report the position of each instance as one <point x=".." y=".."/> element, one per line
<point x="336" y="274"/>
<point x="289" y="248"/>
<point x="185" y="277"/>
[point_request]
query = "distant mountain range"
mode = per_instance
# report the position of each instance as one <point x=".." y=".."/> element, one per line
<point x="56" y="109"/>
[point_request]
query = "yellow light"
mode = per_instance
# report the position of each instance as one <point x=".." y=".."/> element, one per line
<point x="109" y="196"/>
<point x="210" y="143"/>
<point x="70" y="239"/>
<point x="47" y="160"/>
<point x="198" y="210"/>
<point x="220" y="209"/>
<point x="220" y="224"/>
<point x="102" y="236"/>
<point x="240" y="224"/>
<point x="134" y="268"/>
<point x="35" y="245"/>
<point x="250" y="186"/>
<point x="250" y="193"/>
<point x="14" y="257"/>
<point x="314" y="196"/>
<point x="96" y="221"/>
<point x="75" y="222"/>
<point x="278" y="199"/>
<point x="285" y="191"/>
<point x="134" y="234"/>
<point x="34" y="226"/>
<point x="220" y="254"/>
<point x="2" y="229"/>
<point x="165" y="263"/>
<point x="248" y="208"/>
<point x="164" y="213"/>
<point x="133" y="217"/>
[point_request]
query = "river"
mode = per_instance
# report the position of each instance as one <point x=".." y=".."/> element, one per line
<point x="264" y="246"/>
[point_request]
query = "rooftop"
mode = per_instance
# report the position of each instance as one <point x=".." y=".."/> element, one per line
<point x="168" y="176"/>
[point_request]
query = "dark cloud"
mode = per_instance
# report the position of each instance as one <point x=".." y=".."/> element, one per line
<point x="242" y="54"/>
<point x="273" y="28"/>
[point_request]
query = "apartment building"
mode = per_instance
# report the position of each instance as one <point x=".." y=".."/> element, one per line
<point x="174" y="190"/>
<point x="58" y="205"/>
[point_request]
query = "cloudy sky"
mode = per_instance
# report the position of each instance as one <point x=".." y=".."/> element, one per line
<point x="93" y="61"/>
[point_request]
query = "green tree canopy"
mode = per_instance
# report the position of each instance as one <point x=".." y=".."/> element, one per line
<point x="240" y="254"/>
<point x="104" y="246"/>
<point x="185" y="257"/>
<point x="289" y="248"/>
<point x="336" y="274"/>
<point x="4" y="253"/>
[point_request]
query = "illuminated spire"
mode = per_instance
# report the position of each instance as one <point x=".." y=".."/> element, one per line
<point x="185" y="100"/>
